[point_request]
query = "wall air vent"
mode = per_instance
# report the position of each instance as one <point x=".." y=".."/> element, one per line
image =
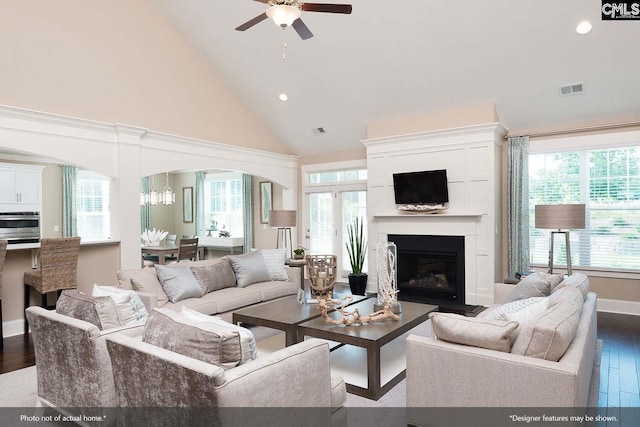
<point x="319" y="131"/>
<point x="572" y="89"/>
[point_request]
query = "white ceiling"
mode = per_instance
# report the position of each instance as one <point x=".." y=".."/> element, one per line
<point x="399" y="58"/>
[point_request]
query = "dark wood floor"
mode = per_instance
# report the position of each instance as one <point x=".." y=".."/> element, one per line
<point x="619" y="367"/>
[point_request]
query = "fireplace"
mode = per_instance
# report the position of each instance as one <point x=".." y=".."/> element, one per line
<point x="430" y="268"/>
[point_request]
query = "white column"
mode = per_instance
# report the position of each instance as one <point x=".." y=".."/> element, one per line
<point x="125" y="196"/>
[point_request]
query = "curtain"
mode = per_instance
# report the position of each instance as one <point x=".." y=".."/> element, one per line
<point x="69" y="202"/>
<point x="200" y="224"/>
<point x="247" y="193"/>
<point x="518" y="205"/>
<point x="145" y="209"/>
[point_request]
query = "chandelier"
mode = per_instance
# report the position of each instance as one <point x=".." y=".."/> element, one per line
<point x="164" y="197"/>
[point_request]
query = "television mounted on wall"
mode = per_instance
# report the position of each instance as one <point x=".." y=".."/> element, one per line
<point x="425" y="187"/>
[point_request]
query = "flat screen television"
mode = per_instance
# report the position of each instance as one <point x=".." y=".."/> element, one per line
<point x="426" y="187"/>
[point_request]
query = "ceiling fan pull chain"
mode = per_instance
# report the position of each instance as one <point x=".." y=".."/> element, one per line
<point x="284" y="45"/>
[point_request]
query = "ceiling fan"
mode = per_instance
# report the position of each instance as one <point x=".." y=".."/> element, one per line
<point x="287" y="13"/>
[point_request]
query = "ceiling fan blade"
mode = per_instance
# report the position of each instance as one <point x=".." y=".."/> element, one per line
<point x="302" y="29"/>
<point x="252" y="22"/>
<point x="326" y="7"/>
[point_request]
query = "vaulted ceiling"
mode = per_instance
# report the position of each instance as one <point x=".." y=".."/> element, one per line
<point x="399" y="58"/>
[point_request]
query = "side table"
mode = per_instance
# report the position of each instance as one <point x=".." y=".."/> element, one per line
<point x="300" y="263"/>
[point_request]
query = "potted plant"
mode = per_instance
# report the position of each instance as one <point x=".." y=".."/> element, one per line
<point x="357" y="250"/>
<point x="298" y="253"/>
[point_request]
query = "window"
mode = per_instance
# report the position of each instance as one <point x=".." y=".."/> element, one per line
<point x="335" y="195"/>
<point x="92" y="202"/>
<point x="607" y="181"/>
<point x="224" y="203"/>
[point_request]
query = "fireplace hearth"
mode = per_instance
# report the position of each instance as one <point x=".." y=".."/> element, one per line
<point x="430" y="268"/>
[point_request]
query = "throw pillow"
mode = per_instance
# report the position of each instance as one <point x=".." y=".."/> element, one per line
<point x="249" y="268"/>
<point x="99" y="311"/>
<point x="485" y="333"/>
<point x="204" y="341"/>
<point x="146" y="280"/>
<point x="274" y="259"/>
<point x="501" y="311"/>
<point x="128" y="304"/>
<point x="527" y="315"/>
<point x="178" y="282"/>
<point x="536" y="284"/>
<point x="578" y="281"/>
<point x="568" y="294"/>
<point x="215" y="276"/>
<point x="549" y="337"/>
<point x="248" y="349"/>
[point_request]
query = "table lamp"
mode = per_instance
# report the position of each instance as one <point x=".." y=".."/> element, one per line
<point x="560" y="217"/>
<point x="283" y="220"/>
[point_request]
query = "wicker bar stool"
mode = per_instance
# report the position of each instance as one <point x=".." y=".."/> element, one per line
<point x="3" y="253"/>
<point x="58" y="270"/>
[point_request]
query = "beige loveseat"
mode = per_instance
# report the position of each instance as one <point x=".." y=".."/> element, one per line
<point x="220" y="301"/>
<point x="447" y="374"/>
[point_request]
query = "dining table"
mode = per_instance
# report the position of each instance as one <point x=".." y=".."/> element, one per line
<point x="162" y="251"/>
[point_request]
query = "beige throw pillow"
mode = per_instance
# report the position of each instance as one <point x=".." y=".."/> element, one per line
<point x="549" y="337"/>
<point x="146" y="280"/>
<point x="578" y="281"/>
<point x="485" y="333"/>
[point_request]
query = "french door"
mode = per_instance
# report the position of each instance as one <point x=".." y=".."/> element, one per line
<point x="329" y="212"/>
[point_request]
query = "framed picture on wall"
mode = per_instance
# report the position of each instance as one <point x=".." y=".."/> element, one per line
<point x="187" y="204"/>
<point x="266" y="201"/>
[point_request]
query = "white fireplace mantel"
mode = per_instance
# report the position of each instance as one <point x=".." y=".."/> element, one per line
<point x="472" y="158"/>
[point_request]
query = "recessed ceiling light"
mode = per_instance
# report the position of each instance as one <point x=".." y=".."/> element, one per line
<point x="283" y="97"/>
<point x="583" y="27"/>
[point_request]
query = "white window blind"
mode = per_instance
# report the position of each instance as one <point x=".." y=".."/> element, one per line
<point x="92" y="199"/>
<point x="224" y="203"/>
<point x="607" y="181"/>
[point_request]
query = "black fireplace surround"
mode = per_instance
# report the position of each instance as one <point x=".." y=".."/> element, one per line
<point x="430" y="268"/>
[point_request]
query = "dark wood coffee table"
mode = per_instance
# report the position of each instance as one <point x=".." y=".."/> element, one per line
<point x="371" y="337"/>
<point x="284" y="314"/>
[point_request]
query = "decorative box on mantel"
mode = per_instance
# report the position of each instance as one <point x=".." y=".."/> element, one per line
<point x="472" y="157"/>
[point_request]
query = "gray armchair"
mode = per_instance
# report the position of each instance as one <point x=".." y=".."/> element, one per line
<point x="72" y="362"/>
<point x="147" y="376"/>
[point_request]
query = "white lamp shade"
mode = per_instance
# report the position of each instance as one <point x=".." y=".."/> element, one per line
<point x="282" y="218"/>
<point x="283" y="15"/>
<point x="560" y="217"/>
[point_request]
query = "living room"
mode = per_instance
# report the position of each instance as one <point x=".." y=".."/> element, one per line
<point x="122" y="90"/>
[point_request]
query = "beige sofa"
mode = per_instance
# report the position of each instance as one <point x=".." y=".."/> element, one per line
<point x="446" y="374"/>
<point x="221" y="302"/>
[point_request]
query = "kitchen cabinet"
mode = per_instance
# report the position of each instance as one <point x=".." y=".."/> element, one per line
<point x="20" y="188"/>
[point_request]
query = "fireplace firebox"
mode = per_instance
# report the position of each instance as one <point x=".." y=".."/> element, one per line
<point x="430" y="268"/>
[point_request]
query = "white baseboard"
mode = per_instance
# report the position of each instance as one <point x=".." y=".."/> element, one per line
<point x="619" y="306"/>
<point x="13" y="327"/>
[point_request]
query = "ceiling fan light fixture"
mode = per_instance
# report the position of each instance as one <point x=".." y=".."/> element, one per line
<point x="283" y="15"/>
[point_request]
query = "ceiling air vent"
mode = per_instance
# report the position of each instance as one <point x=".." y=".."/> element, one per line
<point x="572" y="89"/>
<point x="319" y="131"/>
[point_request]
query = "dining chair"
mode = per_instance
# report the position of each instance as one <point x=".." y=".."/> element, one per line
<point x="188" y="249"/>
<point x="57" y="270"/>
<point x="3" y="253"/>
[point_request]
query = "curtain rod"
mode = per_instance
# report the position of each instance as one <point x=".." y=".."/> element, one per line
<point x="576" y="130"/>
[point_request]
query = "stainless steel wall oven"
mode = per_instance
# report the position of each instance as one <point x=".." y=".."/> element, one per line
<point x="20" y="227"/>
